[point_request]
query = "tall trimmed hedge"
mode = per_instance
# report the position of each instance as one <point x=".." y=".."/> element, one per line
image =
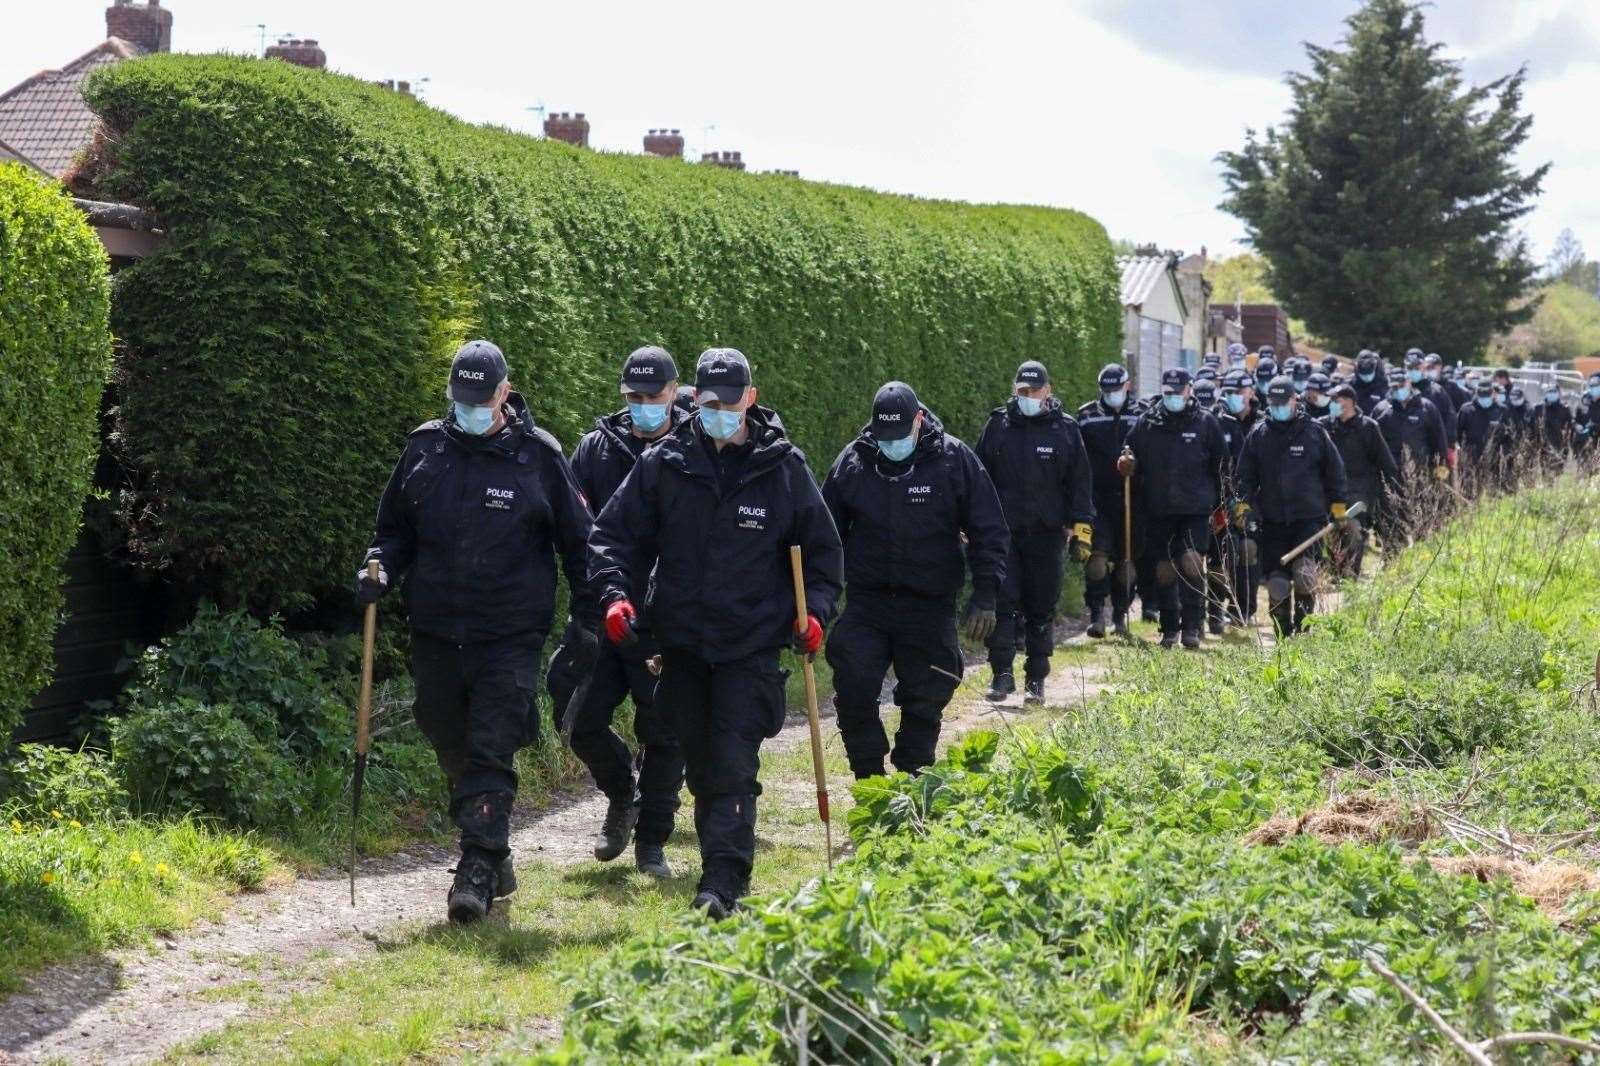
<point x="55" y="350"/>
<point x="331" y="243"/>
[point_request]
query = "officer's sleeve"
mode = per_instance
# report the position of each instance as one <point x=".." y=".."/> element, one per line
<point x="1380" y="455"/>
<point x="1079" y="479"/>
<point x="571" y="534"/>
<point x="1247" y="475"/>
<point x="833" y="496"/>
<point x="984" y="522"/>
<point x="1333" y="476"/>
<point x="985" y="446"/>
<point x="583" y="467"/>
<point x="623" y="541"/>
<point x="1436" y="439"/>
<point x="394" y="543"/>
<point x="1218" y="466"/>
<point x="820" y="548"/>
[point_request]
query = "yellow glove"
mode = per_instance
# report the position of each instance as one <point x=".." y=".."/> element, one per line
<point x="1240" y="509"/>
<point x="1441" y="473"/>
<point x="1082" y="539"/>
<point x="1337" y="510"/>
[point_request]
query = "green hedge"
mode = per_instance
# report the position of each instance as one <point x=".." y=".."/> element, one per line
<point x="55" y="349"/>
<point x="331" y="243"/>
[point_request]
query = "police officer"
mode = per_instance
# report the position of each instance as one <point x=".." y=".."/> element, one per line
<point x="1330" y="367"/>
<point x="1237" y="355"/>
<point x="479" y="505"/>
<point x="1552" y="428"/>
<point x="1034" y="452"/>
<point x="1105" y="424"/>
<point x="1370" y="473"/>
<point x="1412" y="428"/>
<point x="1266" y="368"/>
<point x="1586" y="419"/>
<point x="640" y="805"/>
<point x="1481" y="437"/>
<point x="1318" y="399"/>
<point x="1292" y="475"/>
<point x="1433" y="367"/>
<point x="713" y="509"/>
<point x="1429" y="388"/>
<point x="1240" y="574"/>
<point x="902" y="495"/>
<point x="1371" y="384"/>
<point x="1178" y="454"/>
<point x="1300" y="372"/>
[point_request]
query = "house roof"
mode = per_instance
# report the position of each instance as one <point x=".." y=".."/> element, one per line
<point x="45" y="120"/>
<point x="9" y="154"/>
<point x="1140" y="276"/>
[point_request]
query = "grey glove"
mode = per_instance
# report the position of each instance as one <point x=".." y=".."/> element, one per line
<point x="979" y="622"/>
<point x="369" y="591"/>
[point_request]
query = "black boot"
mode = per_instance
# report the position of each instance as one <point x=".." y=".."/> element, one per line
<point x="1097" y="622"/>
<point x="1169" y="640"/>
<point x="651" y="859"/>
<point x="473" y="893"/>
<point x="505" y="879"/>
<point x="1119" y="624"/>
<point x="1002" y="686"/>
<point x="622" y="814"/>
<point x="714" y="903"/>
<point x="1191" y="638"/>
<point x="1034" y="690"/>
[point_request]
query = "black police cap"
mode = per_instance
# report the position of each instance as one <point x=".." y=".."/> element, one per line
<point x="476" y="372"/>
<point x="894" y="409"/>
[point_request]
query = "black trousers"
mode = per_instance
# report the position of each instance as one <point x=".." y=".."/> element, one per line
<point x="1180" y="590"/>
<point x="1027" y="600"/>
<point x="722" y="712"/>
<point x="618" y="674"/>
<point x="917" y="636"/>
<point x="1278" y="538"/>
<point x="1107" y="578"/>
<point x="478" y="705"/>
<point x="570" y="663"/>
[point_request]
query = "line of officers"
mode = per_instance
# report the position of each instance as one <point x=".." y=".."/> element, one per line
<point x="673" y="522"/>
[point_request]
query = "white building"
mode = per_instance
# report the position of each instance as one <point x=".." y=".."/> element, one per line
<point x="1154" y="315"/>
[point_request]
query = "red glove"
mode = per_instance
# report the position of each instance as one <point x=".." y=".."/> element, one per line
<point x="619" y="623"/>
<point x="808" y="641"/>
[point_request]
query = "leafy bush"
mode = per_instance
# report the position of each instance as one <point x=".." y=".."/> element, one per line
<point x="41" y="779"/>
<point x="330" y="243"/>
<point x="55" y="349"/>
<point x="228" y="658"/>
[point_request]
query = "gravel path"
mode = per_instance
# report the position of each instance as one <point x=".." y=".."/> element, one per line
<point x="135" y="1005"/>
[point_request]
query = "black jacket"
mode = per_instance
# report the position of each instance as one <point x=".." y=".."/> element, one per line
<point x="1553" y="423"/>
<point x="1436" y="394"/>
<point x="1482" y="432"/>
<point x="1370" y="394"/>
<point x="1179" y="460"/>
<point x="1237" y="427"/>
<point x="1586" y="424"/>
<point x="1413" y="430"/>
<point x="901" y="523"/>
<point x="1458" y="394"/>
<point x="1291" y="471"/>
<point x="1039" y="467"/>
<point x="717" y="527"/>
<point x="1369" y="467"/>
<point x="473" y="525"/>
<point x="1104" y="433"/>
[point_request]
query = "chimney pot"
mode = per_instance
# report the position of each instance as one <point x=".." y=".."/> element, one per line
<point x="146" y="26"/>
<point x="299" y="51"/>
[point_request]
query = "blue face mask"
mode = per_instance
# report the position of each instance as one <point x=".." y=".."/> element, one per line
<point x="1281" y="412"/>
<point x="1402" y="395"/>
<point x="720" y="425"/>
<point x="1366" y="375"/>
<point x="648" y="417"/>
<point x="1485" y="401"/>
<point x="1413" y="376"/>
<point x="1234" y="403"/>
<point x="898" y="451"/>
<point x="1115" y="400"/>
<point x="474" y="420"/>
<point x="1174" y="401"/>
<point x="1029" y="406"/>
<point x="1500" y="398"/>
<point x="1517" y="401"/>
<point x="1594" y="392"/>
<point x="1552" y="397"/>
<point x="1300" y="386"/>
<point x="1320" y="405"/>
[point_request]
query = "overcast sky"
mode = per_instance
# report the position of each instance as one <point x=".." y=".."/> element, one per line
<point x="1116" y="107"/>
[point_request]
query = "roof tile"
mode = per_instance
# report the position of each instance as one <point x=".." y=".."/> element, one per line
<point x="45" y="119"/>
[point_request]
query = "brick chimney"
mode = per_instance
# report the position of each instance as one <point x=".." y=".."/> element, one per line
<point x="667" y="143"/>
<point x="147" y="26"/>
<point x="728" y="160"/>
<point x="574" y="128"/>
<point x="300" y="53"/>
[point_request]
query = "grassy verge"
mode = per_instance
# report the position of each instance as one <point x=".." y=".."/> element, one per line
<point x="1199" y="866"/>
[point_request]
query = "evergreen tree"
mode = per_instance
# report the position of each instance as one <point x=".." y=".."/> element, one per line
<point x="1385" y="204"/>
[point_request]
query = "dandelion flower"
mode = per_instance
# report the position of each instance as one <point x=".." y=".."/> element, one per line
<point x="134" y="858"/>
<point x="48" y="878"/>
<point x="161" y="869"/>
<point x="56" y="815"/>
<point x="75" y="824"/>
<point x="16" y="826"/>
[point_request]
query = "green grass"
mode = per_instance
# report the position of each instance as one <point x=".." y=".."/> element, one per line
<point x="68" y="889"/>
<point x="1084" y="891"/>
